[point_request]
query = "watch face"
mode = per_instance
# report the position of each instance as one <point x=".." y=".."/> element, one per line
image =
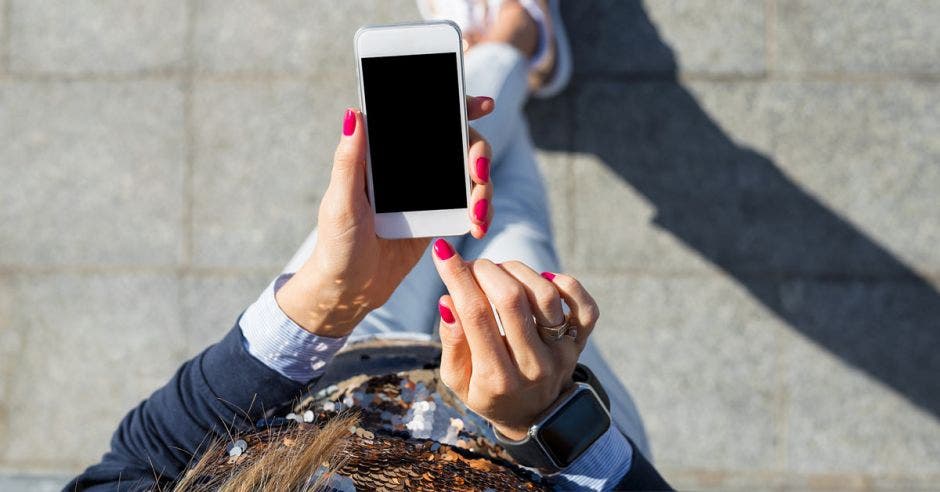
<point x="574" y="427"/>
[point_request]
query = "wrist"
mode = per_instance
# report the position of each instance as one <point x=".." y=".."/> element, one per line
<point x="271" y="337"/>
<point x="563" y="433"/>
<point x="318" y="306"/>
<point x="514" y="433"/>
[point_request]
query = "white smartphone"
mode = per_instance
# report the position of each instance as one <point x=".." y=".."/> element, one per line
<point x="411" y="90"/>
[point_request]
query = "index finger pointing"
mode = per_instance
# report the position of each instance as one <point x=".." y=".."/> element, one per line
<point x="456" y="364"/>
<point x="487" y="349"/>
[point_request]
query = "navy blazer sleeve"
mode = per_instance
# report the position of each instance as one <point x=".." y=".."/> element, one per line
<point x="642" y="475"/>
<point x="222" y="388"/>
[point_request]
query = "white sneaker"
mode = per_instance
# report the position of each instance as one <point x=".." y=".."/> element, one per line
<point x="550" y="67"/>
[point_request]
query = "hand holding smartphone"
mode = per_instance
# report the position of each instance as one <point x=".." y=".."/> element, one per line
<point x="411" y="89"/>
<point x="416" y="175"/>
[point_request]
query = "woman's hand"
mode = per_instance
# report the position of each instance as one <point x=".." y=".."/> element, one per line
<point x="351" y="270"/>
<point x="509" y="381"/>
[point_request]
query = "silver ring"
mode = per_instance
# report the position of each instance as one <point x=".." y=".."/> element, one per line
<point x="557" y="332"/>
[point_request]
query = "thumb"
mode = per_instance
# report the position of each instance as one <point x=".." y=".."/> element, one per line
<point x="456" y="364"/>
<point x="349" y="161"/>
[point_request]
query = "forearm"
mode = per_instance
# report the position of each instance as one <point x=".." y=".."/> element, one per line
<point x="281" y="344"/>
<point x="318" y="305"/>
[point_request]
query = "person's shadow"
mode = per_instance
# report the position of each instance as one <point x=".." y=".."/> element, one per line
<point x="735" y="207"/>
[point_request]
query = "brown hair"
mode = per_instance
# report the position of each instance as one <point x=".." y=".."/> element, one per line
<point x="364" y="448"/>
<point x="277" y="459"/>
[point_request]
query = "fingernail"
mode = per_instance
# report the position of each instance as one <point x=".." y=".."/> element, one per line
<point x="548" y="276"/>
<point x="479" y="210"/>
<point x="484" y="228"/>
<point x="483" y="169"/>
<point x="446" y="315"/>
<point x="442" y="249"/>
<point x="349" y="122"/>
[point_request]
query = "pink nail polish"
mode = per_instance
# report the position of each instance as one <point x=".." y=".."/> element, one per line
<point x="484" y="228"/>
<point x="483" y="169"/>
<point x="442" y="249"/>
<point x="446" y="315"/>
<point x="349" y="122"/>
<point x="548" y="276"/>
<point x="480" y="209"/>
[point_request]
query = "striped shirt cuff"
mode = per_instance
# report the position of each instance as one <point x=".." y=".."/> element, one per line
<point x="281" y="344"/>
<point x="602" y="466"/>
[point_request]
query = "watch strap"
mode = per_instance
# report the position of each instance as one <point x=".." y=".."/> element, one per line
<point x="527" y="452"/>
<point x="584" y="374"/>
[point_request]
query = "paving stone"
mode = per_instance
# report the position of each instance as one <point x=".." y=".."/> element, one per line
<point x="615" y="37"/>
<point x="863" y="395"/>
<point x="700" y="360"/>
<point x="712" y="36"/>
<point x="33" y="483"/>
<point x="262" y="161"/>
<point x="92" y="173"/>
<point x="611" y="228"/>
<point x="296" y="36"/>
<point x="556" y="172"/>
<point x="740" y="109"/>
<point x="649" y="153"/>
<point x="82" y="36"/>
<point x="854" y="189"/>
<point x="552" y="129"/>
<point x="93" y="346"/>
<point x="4" y="51"/>
<point x="11" y="343"/>
<point x="212" y="303"/>
<point x="913" y="483"/>
<point x="749" y="480"/>
<point x="858" y="36"/>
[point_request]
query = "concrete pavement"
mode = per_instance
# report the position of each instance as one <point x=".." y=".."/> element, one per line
<point x="749" y="188"/>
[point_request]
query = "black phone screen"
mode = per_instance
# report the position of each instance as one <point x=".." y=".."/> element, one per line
<point x="414" y="126"/>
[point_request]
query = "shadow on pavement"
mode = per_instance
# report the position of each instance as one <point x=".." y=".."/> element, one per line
<point x="735" y="207"/>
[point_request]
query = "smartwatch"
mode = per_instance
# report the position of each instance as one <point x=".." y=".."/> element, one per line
<point x="578" y="418"/>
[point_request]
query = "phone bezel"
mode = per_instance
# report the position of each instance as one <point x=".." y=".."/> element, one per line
<point x="416" y="39"/>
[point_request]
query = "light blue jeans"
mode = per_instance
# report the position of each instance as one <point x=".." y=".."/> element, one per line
<point x="521" y="228"/>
